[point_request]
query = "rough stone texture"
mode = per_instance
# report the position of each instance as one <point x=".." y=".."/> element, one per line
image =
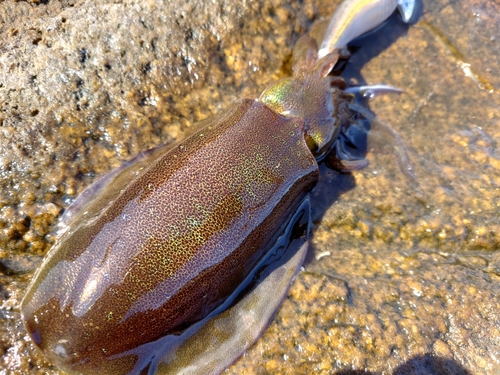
<point x="409" y="280"/>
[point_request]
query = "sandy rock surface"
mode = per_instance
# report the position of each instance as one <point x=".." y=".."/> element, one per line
<point x="408" y="274"/>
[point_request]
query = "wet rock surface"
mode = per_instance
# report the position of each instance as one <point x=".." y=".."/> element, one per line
<point x="402" y="278"/>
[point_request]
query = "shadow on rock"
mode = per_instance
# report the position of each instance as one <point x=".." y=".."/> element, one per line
<point x="420" y="365"/>
<point x="373" y="43"/>
<point x="431" y="365"/>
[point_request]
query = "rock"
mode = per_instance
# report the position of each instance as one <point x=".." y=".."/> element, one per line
<point x="412" y="279"/>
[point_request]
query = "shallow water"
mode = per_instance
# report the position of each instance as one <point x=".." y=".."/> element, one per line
<point x="410" y="271"/>
<point x="403" y="271"/>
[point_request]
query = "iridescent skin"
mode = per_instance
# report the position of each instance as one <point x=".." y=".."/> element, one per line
<point x="176" y="241"/>
<point x="152" y="253"/>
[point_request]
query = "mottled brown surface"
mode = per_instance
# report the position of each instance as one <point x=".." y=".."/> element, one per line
<point x="412" y="278"/>
<point x="151" y="262"/>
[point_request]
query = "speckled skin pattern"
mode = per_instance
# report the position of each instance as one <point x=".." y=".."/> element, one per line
<point x="171" y="245"/>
